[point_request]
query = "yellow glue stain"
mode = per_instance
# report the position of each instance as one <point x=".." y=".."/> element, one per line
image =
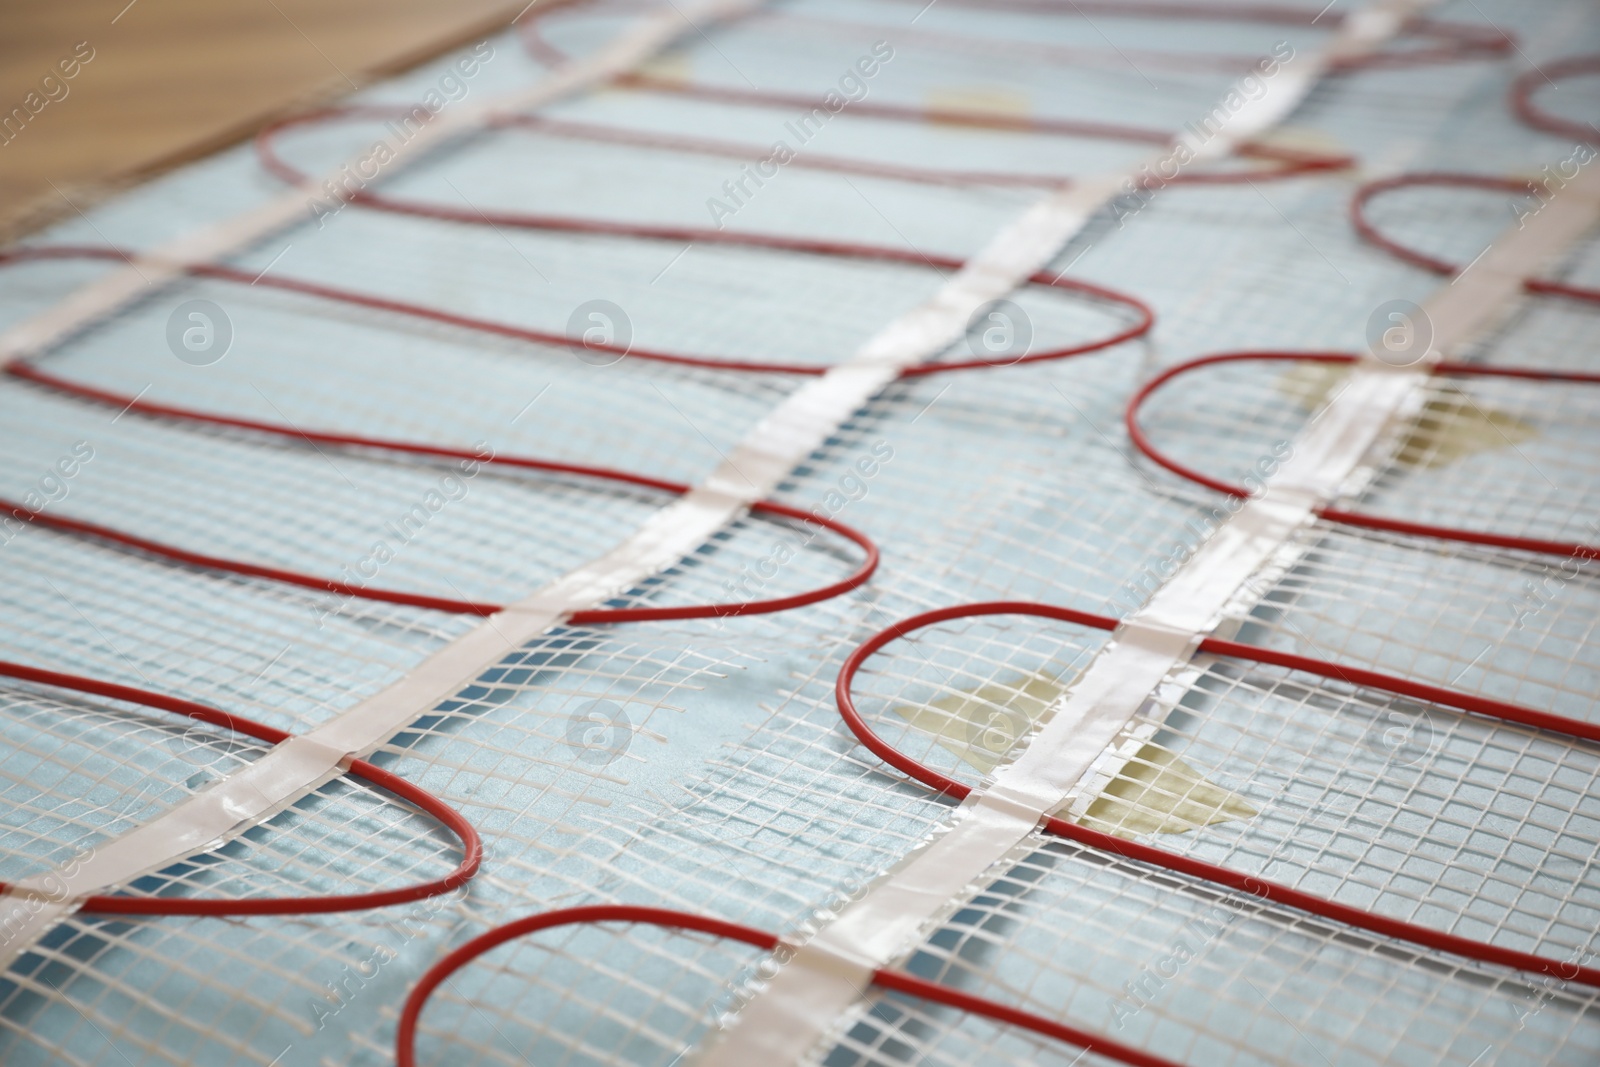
<point x="1308" y="385"/>
<point x="1450" y="426"/>
<point x="1155" y="792"/>
<point x="1158" y="793"/>
<point x="980" y="101"/>
<point x="669" y="66"/>
<point x="1301" y="139"/>
<point x="980" y="726"/>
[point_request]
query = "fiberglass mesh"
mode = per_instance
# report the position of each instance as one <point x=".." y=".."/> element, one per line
<point x="728" y="785"/>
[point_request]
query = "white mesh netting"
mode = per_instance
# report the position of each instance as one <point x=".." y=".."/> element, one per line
<point x="701" y="764"/>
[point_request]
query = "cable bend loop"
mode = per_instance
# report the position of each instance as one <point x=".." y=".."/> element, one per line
<point x="885" y="978"/>
<point x="1531" y="82"/>
<point x="1369" y="231"/>
<point x="1274" y="892"/>
<point x="244" y="568"/>
<point x="433" y="806"/>
<point x="1141" y="440"/>
<point x="1142" y="318"/>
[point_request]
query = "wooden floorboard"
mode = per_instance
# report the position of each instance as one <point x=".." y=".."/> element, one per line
<point x="170" y="80"/>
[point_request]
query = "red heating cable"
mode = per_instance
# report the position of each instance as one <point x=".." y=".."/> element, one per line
<point x="1522" y="105"/>
<point x="454" y="821"/>
<point x="1532" y="81"/>
<point x="360" y="768"/>
<point x="466" y="607"/>
<point x="1461" y="40"/>
<point x="898" y="981"/>
<point x="1443" y="179"/>
<point x="24" y="369"/>
<point x="1141" y="441"/>
<point x="266" y="149"/>
<point x="1291" y="162"/>
<point x="1277" y="893"/>
<point x="1147" y="854"/>
<point x="1009" y="49"/>
<point x="1143" y="316"/>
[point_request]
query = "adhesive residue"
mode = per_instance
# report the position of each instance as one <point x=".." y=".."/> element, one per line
<point x="1450" y="426"/>
<point x="1153" y="792"/>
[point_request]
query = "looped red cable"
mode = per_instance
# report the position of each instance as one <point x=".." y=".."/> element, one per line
<point x="267" y="152"/>
<point x="1143" y="317"/>
<point x="1287" y="162"/>
<point x="80" y="528"/>
<point x="1136" y="433"/>
<point x="898" y="981"/>
<point x="27" y="371"/>
<point x="1459" y="40"/>
<point x="1444" y="179"/>
<point x="454" y="821"/>
<point x="1223" y="876"/>
<point x="1533" y="81"/>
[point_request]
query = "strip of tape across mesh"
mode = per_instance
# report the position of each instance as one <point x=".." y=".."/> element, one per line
<point x="795" y="1013"/>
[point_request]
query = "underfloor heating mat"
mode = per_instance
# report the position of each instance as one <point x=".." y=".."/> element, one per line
<point x="825" y="533"/>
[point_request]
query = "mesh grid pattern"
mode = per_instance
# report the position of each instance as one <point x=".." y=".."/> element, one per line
<point x="587" y="998"/>
<point x="1506" y="627"/>
<point x="722" y="781"/>
<point x="1207" y="979"/>
<point x="345" y="833"/>
<point x="1416" y="812"/>
<point x="1482" y="455"/>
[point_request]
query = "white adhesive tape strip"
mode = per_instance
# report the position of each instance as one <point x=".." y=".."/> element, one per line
<point x="803" y="1004"/>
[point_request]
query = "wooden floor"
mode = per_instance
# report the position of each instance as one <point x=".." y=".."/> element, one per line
<point x="170" y="80"/>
